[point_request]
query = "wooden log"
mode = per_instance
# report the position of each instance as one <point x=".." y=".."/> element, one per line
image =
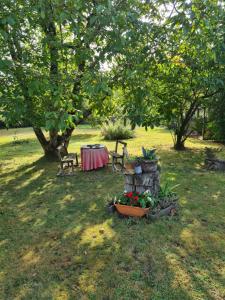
<point x="142" y="182"/>
<point x="143" y="179"/>
<point x="129" y="179"/>
<point x="163" y="212"/>
<point x="215" y="164"/>
<point x="140" y="188"/>
<point x="129" y="188"/>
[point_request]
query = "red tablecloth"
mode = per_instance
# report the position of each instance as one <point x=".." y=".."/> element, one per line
<point x="94" y="158"/>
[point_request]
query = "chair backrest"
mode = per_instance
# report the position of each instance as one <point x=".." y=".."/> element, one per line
<point x="60" y="152"/>
<point x="124" y="148"/>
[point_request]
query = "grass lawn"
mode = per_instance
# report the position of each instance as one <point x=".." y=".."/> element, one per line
<point x="51" y="246"/>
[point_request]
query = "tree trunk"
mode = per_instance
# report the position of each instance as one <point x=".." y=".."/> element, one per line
<point x="182" y="133"/>
<point x="56" y="140"/>
<point x="179" y="145"/>
<point x="179" y="141"/>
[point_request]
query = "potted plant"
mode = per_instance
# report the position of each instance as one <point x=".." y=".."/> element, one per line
<point x="166" y="195"/>
<point x="134" y="204"/>
<point x="149" y="160"/>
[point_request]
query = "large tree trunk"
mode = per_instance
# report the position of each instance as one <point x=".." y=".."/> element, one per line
<point x="50" y="146"/>
<point x="183" y="132"/>
<point x="179" y="144"/>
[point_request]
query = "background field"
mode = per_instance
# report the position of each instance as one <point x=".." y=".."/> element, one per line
<point x="50" y="244"/>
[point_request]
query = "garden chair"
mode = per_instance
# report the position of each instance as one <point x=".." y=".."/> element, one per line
<point x="67" y="162"/>
<point x="119" y="158"/>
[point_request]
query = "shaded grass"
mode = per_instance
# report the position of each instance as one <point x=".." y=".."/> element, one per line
<point x="57" y="241"/>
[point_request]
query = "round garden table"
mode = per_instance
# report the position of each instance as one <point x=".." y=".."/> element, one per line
<point x="94" y="157"/>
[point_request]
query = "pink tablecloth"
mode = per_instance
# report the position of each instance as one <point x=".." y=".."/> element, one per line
<point x="94" y="158"/>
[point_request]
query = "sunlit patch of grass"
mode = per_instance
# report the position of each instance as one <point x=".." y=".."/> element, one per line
<point x="95" y="235"/>
<point x="60" y="294"/>
<point x="58" y="242"/>
<point x="30" y="258"/>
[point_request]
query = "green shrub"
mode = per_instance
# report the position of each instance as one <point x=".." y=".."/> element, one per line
<point x="116" y="131"/>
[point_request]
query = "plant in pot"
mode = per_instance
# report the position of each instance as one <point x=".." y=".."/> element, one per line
<point x="149" y="160"/>
<point x="166" y="195"/>
<point x="135" y="204"/>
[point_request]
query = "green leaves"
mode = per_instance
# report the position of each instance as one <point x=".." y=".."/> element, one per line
<point x="10" y="20"/>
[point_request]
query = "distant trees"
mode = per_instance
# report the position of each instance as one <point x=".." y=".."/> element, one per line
<point x="192" y="71"/>
<point x="62" y="61"/>
<point x="179" y="66"/>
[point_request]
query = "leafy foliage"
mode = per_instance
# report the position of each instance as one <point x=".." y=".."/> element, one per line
<point x="54" y="58"/>
<point x="149" y="154"/>
<point x="167" y="191"/>
<point x="143" y="200"/>
<point x="183" y="67"/>
<point x="215" y="127"/>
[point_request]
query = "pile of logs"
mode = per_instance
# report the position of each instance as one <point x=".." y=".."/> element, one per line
<point x="142" y="182"/>
<point x="212" y="162"/>
<point x="165" y="208"/>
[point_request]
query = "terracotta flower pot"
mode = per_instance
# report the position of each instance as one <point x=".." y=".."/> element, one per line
<point x="131" y="211"/>
<point x="129" y="165"/>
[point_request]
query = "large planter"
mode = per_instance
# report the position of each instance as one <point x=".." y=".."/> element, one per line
<point x="131" y="211"/>
<point x="149" y="166"/>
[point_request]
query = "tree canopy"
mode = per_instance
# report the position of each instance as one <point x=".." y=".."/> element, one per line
<point x="178" y="67"/>
<point x="62" y="61"/>
<point x="55" y="56"/>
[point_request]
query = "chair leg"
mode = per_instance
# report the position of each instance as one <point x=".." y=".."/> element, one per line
<point x="122" y="162"/>
<point x="113" y="164"/>
<point x="77" y="164"/>
<point x="61" y="168"/>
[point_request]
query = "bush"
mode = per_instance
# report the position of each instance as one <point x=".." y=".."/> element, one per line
<point x="116" y="131"/>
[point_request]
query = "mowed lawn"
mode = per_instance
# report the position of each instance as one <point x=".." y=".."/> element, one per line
<point x="58" y="242"/>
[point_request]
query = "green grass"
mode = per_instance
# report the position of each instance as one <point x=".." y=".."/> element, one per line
<point x="51" y="247"/>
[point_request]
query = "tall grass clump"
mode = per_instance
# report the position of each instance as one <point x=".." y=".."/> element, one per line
<point x="116" y="131"/>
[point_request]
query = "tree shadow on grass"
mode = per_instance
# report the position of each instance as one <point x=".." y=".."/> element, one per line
<point x="83" y="136"/>
<point x="32" y="146"/>
<point x="207" y="142"/>
<point x="58" y="241"/>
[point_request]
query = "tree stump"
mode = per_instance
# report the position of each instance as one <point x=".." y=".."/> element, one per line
<point x="141" y="183"/>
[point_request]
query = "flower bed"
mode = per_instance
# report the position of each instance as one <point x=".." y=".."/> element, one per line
<point x="136" y="204"/>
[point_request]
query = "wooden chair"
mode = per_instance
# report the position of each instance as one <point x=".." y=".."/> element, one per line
<point x="67" y="162"/>
<point x="118" y="158"/>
